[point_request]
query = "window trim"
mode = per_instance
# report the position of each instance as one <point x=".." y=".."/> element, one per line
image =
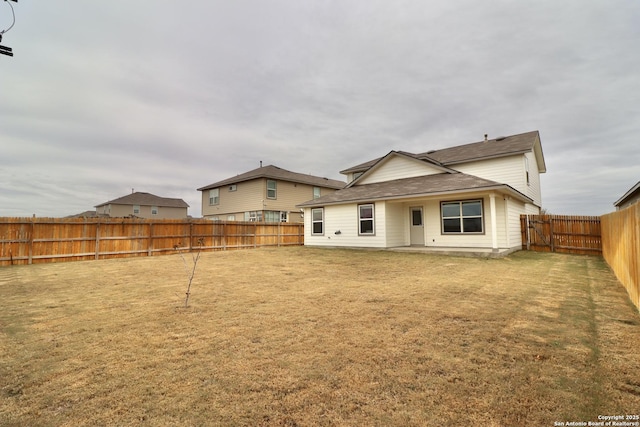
<point x="274" y="189"/>
<point x="214" y="200"/>
<point x="372" y="219"/>
<point x="461" y="217"/>
<point x="320" y="221"/>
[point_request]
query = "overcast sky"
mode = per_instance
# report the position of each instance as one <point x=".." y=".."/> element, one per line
<point x="165" y="96"/>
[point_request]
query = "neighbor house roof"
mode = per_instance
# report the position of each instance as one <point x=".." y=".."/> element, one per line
<point x="419" y="186"/>
<point x="492" y="148"/>
<point x="633" y="191"/>
<point x="274" y="172"/>
<point x="146" y="199"/>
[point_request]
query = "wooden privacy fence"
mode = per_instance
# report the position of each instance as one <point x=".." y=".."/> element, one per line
<point x="38" y="240"/>
<point x="621" y="248"/>
<point x="561" y="233"/>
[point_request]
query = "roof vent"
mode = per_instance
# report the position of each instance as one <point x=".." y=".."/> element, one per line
<point x="485" y="137"/>
<point x="500" y="138"/>
<point x="431" y="151"/>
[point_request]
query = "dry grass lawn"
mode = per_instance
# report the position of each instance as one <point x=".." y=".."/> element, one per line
<point x="300" y="337"/>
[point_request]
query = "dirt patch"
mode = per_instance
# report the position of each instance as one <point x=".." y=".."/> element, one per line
<point x="300" y="336"/>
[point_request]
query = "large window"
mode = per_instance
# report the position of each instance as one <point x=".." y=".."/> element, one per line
<point x="271" y="189"/>
<point x="462" y="217"/>
<point x="214" y="196"/>
<point x="365" y="219"/>
<point x="253" y="216"/>
<point x="275" y="216"/>
<point x="317" y="221"/>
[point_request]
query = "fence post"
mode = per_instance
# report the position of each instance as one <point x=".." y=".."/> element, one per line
<point x="98" y="239"/>
<point x="551" y="237"/>
<point x="190" y="236"/>
<point x="150" y="240"/>
<point x="528" y="235"/>
<point x="33" y="220"/>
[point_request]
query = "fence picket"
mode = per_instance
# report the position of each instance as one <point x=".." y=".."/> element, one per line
<point x="37" y="240"/>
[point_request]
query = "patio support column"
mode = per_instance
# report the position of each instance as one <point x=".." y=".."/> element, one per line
<point x="494" y="222"/>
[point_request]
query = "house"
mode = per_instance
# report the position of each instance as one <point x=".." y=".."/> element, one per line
<point x="144" y="205"/>
<point x="268" y="194"/>
<point x="468" y="197"/>
<point x="630" y="197"/>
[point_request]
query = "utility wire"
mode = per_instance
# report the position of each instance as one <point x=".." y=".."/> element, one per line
<point x="14" y="18"/>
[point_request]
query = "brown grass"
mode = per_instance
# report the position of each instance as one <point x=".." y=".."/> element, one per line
<point x="300" y="336"/>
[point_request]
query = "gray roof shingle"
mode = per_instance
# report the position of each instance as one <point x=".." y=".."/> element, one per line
<point x="410" y="187"/>
<point x="498" y="147"/>
<point x="274" y="172"/>
<point x="146" y="199"/>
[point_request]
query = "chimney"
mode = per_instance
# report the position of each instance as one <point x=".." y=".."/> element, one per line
<point x="485" y="137"/>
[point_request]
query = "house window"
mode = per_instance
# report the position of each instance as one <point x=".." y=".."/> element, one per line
<point x="154" y="210"/>
<point x="284" y="216"/>
<point x="253" y="216"/>
<point x="316" y="192"/>
<point x="233" y="187"/>
<point x="526" y="167"/>
<point x="365" y="219"/>
<point x="214" y="196"/>
<point x="271" y="189"/>
<point x="317" y="221"/>
<point x="275" y="216"/>
<point x="462" y="217"/>
<point x="136" y="209"/>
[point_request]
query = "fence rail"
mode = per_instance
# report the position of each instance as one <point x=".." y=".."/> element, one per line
<point x="37" y="240"/>
<point x="561" y="233"/>
<point x="621" y="248"/>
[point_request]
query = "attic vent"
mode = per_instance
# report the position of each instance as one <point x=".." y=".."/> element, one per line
<point x="500" y="138"/>
<point x="431" y="151"/>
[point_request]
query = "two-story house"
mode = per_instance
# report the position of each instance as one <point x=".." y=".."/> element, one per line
<point x="265" y="194"/>
<point x="143" y="205"/>
<point x="468" y="196"/>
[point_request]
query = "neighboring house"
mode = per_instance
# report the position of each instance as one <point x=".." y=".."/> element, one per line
<point x="630" y="197"/>
<point x="268" y="194"/>
<point x="88" y="214"/>
<point x="469" y="196"/>
<point x="144" y="205"/>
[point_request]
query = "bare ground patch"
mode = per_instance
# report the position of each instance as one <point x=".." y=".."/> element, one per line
<point x="300" y="336"/>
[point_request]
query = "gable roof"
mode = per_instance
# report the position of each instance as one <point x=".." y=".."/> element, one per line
<point x="402" y="154"/>
<point x="274" y="172"/>
<point x="492" y="148"/>
<point x="419" y="186"/>
<point x="628" y="195"/>
<point x="146" y="199"/>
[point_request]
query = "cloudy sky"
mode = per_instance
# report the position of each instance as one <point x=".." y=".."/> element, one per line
<point x="165" y="96"/>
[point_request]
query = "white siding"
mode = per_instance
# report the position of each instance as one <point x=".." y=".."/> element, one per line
<point x="397" y="167"/>
<point x="397" y="226"/>
<point x="395" y="232"/>
<point x="533" y="189"/>
<point x="345" y="219"/>
<point x="516" y="208"/>
<point x="508" y="170"/>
